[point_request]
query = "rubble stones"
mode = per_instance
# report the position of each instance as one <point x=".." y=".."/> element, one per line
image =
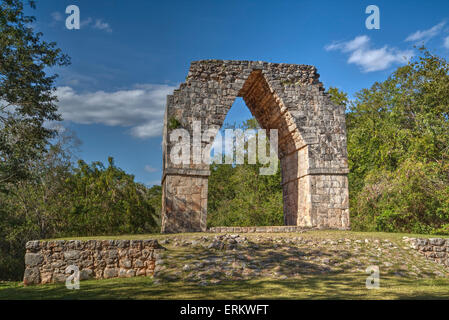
<point x="275" y="256"/>
<point x="436" y="249"/>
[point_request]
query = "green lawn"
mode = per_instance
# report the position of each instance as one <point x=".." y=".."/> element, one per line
<point x="343" y="286"/>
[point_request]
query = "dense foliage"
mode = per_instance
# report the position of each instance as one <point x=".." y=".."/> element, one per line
<point x="398" y="145"/>
<point x="240" y="196"/>
<point x="42" y="193"/>
<point x="27" y="97"/>
<point x="63" y="199"/>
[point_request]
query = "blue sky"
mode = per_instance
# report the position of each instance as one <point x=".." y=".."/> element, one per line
<point x="128" y="55"/>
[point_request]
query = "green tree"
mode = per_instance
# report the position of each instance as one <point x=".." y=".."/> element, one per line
<point x="239" y="196"/>
<point x="62" y="200"/>
<point x="337" y="96"/>
<point x="398" y="145"/>
<point x="27" y="97"/>
<point x="106" y="200"/>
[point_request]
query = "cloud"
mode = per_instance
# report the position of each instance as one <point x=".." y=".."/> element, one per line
<point x="57" y="16"/>
<point x="100" y="25"/>
<point x="446" y="42"/>
<point x="352" y="45"/>
<point x="150" y="129"/>
<point x="369" y="59"/>
<point x="85" y="23"/>
<point x="140" y="108"/>
<point x="150" y="169"/>
<point x="425" y="35"/>
<point x="71" y="78"/>
<point x="52" y="125"/>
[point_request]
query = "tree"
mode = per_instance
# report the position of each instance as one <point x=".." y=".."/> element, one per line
<point x="107" y="200"/>
<point x="239" y="196"/>
<point x="63" y="200"/>
<point x="398" y="147"/>
<point x="27" y="97"/>
<point x="34" y="208"/>
<point x="337" y="96"/>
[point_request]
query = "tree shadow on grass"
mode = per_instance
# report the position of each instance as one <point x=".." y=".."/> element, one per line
<point x="312" y="280"/>
<point x="341" y="286"/>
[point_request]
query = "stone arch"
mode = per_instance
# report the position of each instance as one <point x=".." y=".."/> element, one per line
<point x="286" y="97"/>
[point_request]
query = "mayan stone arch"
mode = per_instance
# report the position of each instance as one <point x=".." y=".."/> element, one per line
<point x="286" y="97"/>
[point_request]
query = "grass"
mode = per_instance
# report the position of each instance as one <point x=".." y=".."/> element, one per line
<point x="342" y="286"/>
<point x="327" y="234"/>
<point x="347" y="283"/>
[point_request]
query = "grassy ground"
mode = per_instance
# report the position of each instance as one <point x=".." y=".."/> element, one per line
<point x="310" y="265"/>
<point x="325" y="234"/>
<point x="342" y="286"/>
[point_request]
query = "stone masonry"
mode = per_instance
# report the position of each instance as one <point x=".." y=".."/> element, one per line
<point x="286" y="97"/>
<point x="47" y="261"/>
<point x="436" y="249"/>
<point x="259" y="229"/>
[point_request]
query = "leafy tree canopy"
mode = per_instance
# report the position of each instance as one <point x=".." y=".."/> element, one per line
<point x="27" y="97"/>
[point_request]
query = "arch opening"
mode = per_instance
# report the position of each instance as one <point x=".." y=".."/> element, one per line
<point x="239" y="194"/>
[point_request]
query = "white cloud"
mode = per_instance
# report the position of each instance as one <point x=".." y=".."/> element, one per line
<point x="141" y="108"/>
<point x="53" y="125"/>
<point x="425" y="35"/>
<point x="100" y="25"/>
<point x="369" y="59"/>
<point x="85" y="23"/>
<point x="150" y="129"/>
<point x="150" y="169"/>
<point x="352" y="45"/>
<point x="57" y="16"/>
<point x="446" y="43"/>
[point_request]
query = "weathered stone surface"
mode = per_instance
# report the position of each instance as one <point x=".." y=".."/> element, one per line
<point x="110" y="273"/>
<point x="47" y="262"/>
<point x="263" y="229"/>
<point x="33" y="259"/>
<point x="286" y="97"/>
<point x="31" y="276"/>
<point x="286" y="256"/>
<point x="433" y="249"/>
<point x="86" y="274"/>
<point x="71" y="255"/>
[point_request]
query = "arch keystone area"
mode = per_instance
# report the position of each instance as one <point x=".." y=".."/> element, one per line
<point x="287" y="97"/>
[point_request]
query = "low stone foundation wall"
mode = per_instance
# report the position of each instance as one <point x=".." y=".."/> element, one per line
<point x="264" y="229"/>
<point x="48" y="261"/>
<point x="436" y="249"/>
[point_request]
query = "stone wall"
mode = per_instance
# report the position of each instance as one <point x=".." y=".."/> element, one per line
<point x="286" y="97"/>
<point x="261" y="229"/>
<point x="46" y="261"/>
<point x="436" y="249"/>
